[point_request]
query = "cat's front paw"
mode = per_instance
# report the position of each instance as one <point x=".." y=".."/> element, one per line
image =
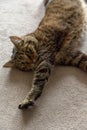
<point x="26" y="104"/>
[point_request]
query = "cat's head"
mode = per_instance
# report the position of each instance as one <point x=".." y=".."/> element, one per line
<point x="24" y="53"/>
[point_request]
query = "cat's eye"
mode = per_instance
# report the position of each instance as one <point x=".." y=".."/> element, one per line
<point x="29" y="51"/>
<point x="14" y="52"/>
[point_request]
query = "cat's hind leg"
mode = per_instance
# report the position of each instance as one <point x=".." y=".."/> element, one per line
<point x="72" y="58"/>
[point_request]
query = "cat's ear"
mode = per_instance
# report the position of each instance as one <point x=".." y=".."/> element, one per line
<point x="9" y="64"/>
<point x="16" y="40"/>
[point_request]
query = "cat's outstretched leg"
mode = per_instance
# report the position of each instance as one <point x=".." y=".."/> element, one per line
<point x="73" y="58"/>
<point x="41" y="76"/>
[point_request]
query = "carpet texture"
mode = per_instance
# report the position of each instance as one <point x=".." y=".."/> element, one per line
<point x="63" y="104"/>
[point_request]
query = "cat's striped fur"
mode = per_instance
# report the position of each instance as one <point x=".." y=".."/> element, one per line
<point x="53" y="43"/>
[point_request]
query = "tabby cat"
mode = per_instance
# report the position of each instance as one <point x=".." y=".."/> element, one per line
<point x="53" y="43"/>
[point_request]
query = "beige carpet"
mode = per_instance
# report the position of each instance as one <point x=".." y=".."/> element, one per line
<point x="63" y="104"/>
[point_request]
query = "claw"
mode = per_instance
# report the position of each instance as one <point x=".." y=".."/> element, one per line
<point x="26" y="105"/>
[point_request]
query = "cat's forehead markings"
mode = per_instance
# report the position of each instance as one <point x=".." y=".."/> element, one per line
<point x="29" y="39"/>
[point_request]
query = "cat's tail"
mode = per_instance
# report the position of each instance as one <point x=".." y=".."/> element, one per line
<point x="74" y="58"/>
